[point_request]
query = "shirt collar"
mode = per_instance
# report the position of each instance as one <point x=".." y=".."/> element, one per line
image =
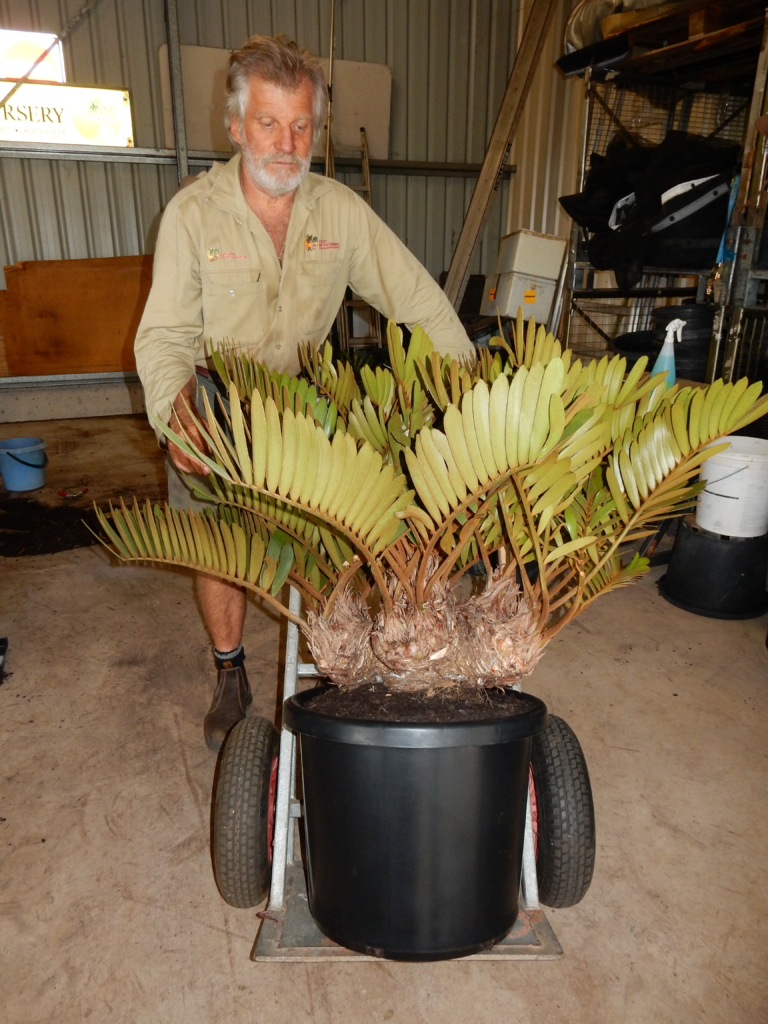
<point x="226" y="193"/>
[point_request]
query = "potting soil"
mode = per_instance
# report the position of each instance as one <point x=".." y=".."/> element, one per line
<point x="453" y="704"/>
<point x="27" y="527"/>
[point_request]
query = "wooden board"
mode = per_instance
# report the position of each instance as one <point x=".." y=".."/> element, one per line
<point x="678" y="21"/>
<point x="616" y="24"/>
<point x="74" y="316"/>
<point x="4" y="371"/>
<point x="362" y="93"/>
<point x="721" y="46"/>
<point x="502" y="137"/>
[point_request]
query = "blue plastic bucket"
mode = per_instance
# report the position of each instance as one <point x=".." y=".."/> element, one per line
<point x="22" y="463"/>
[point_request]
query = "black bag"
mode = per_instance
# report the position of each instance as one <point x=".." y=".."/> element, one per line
<point x="687" y="232"/>
<point x="659" y="206"/>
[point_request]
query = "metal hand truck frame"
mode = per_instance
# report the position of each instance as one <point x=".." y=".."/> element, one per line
<point x="287" y="930"/>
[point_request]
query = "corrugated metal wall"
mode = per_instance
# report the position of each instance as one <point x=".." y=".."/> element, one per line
<point x="61" y="209"/>
<point x="546" y="147"/>
<point x="450" y="61"/>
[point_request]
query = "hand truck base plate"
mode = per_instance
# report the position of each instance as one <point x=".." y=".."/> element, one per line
<point x="291" y="934"/>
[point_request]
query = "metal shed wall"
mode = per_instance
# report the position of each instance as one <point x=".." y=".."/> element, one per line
<point x="546" y="147"/>
<point x="450" y="61"/>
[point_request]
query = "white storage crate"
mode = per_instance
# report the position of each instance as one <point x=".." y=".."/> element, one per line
<point x="528" y="252"/>
<point x="527" y="270"/>
<point x="504" y="293"/>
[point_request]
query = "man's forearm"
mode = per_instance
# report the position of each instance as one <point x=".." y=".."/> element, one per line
<point x="163" y="375"/>
<point x="167" y="339"/>
<point x="387" y="275"/>
<point x="446" y="333"/>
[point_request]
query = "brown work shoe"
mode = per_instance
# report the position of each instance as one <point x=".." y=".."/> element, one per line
<point x="230" y="702"/>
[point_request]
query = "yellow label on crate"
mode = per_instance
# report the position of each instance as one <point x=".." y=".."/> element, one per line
<point x="530" y="295"/>
<point x="492" y="294"/>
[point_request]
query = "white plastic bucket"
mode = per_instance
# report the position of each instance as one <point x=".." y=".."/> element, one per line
<point x="735" y="500"/>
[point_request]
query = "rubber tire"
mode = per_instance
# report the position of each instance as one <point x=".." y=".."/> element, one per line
<point x="565" y="858"/>
<point x="241" y="857"/>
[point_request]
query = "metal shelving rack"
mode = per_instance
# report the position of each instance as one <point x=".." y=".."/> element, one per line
<point x="740" y="336"/>
<point x="595" y="315"/>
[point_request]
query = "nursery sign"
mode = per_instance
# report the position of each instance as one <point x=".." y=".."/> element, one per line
<point x="72" y="115"/>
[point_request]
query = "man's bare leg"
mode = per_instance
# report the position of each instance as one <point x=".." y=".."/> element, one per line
<point x="223" y="607"/>
<point x="223" y="603"/>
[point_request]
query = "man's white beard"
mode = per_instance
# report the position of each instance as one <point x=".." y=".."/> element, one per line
<point x="281" y="183"/>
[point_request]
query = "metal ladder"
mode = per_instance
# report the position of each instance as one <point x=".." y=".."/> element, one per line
<point x="288" y="931"/>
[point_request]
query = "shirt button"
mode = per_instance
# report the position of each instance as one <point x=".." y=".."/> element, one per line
<point x="231" y="292"/>
<point x="278" y="345"/>
<point x="279" y="309"/>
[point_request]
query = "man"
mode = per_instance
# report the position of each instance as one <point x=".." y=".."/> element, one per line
<point x="259" y="253"/>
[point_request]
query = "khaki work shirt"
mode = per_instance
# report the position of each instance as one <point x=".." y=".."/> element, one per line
<point x="217" y="278"/>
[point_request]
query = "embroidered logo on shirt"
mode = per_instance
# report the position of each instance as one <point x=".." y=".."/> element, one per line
<point x="312" y="242"/>
<point x="215" y="254"/>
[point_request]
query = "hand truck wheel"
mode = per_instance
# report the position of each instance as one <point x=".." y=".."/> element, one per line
<point x="244" y="812"/>
<point x="563" y="815"/>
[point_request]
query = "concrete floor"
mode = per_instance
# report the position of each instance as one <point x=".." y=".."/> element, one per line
<point x="108" y="908"/>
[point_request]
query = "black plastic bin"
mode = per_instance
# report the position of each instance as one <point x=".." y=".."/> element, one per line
<point x="414" y="831"/>
<point x="635" y="344"/>
<point x="720" y="577"/>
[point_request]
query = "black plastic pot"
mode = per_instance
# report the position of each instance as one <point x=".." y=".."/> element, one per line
<point x="414" y="831"/>
<point x="635" y="344"/>
<point x="720" y="577"/>
<point x="698" y="319"/>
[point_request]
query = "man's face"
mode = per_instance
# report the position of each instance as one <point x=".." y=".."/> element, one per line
<point x="275" y="136"/>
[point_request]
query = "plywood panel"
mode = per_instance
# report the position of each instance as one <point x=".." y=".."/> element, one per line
<point x="74" y="316"/>
<point x="361" y="98"/>
<point x="4" y="371"/>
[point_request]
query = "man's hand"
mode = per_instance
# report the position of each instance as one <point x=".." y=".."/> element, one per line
<point x="182" y="415"/>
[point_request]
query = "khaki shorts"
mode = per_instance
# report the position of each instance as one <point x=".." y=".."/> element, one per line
<point x="180" y="485"/>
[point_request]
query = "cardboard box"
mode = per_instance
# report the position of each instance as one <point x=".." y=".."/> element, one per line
<point x="529" y="252"/>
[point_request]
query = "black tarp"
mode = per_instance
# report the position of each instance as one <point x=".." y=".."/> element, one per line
<point x="631" y="165"/>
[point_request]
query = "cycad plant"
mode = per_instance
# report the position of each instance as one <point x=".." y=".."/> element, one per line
<point x="373" y="497"/>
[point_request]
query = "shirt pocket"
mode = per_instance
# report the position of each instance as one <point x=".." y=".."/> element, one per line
<point x="231" y="297"/>
<point x="231" y="283"/>
<point x="321" y="290"/>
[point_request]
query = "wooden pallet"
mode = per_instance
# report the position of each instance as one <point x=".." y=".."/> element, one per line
<point x="709" y="39"/>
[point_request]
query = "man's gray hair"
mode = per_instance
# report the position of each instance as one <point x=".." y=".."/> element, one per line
<point x="278" y="60"/>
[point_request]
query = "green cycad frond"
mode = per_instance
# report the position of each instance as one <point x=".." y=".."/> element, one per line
<point x="396" y="403"/>
<point x="342" y="483"/>
<point x="230" y="544"/>
<point x="399" y="483"/>
<point x="539" y="457"/>
<point x="288" y="392"/>
<point x="334" y="380"/>
<point x="532" y="345"/>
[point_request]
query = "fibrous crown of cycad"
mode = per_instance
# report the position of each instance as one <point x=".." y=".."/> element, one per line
<point x="372" y="493"/>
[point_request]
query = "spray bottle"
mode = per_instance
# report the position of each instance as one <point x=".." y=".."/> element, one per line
<point x="665" y="361"/>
